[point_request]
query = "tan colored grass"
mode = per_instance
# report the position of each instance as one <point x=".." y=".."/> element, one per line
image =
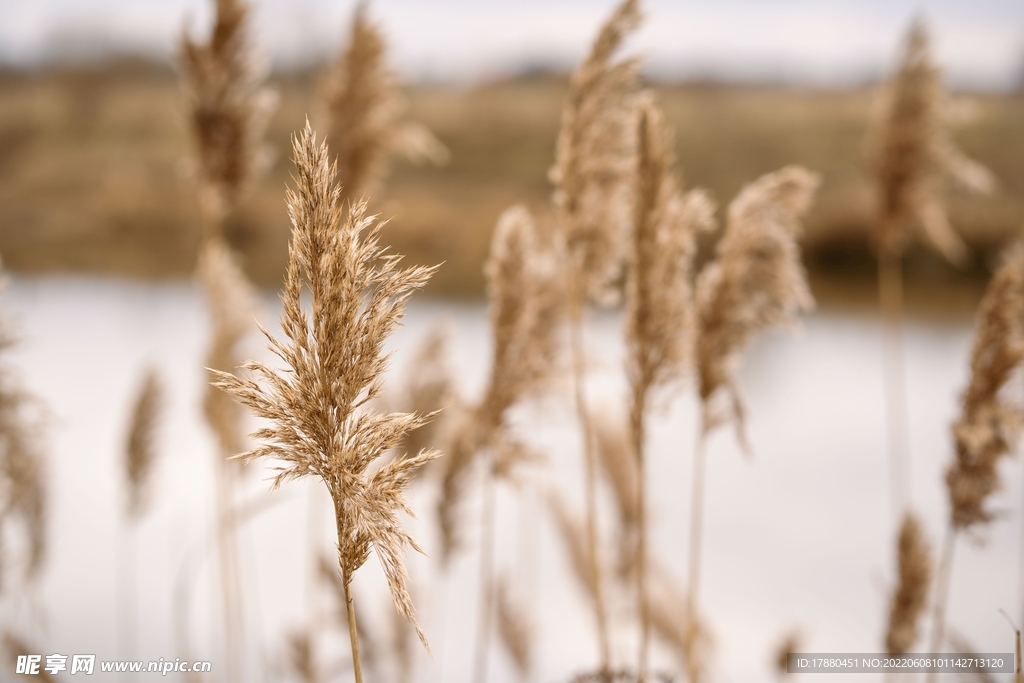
<point x="228" y="110"/>
<point x="140" y="449"/>
<point x="23" y="485"/>
<point x="755" y="282"/>
<point x="910" y="598"/>
<point x="525" y="312"/>
<point x="659" y="304"/>
<point x="364" y="110"/>
<point x="594" y="159"/>
<point x="514" y="628"/>
<point x="318" y="424"/>
<point x="914" y="157"/>
<point x="988" y="428"/>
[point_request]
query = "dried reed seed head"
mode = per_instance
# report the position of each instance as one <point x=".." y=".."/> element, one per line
<point x="677" y="625"/>
<point x="363" y="107"/>
<point x="316" y="407"/>
<point x="914" y="156"/>
<point x="301" y="657"/>
<point x="228" y="109"/>
<point x="140" y="447"/>
<point x="755" y="282"/>
<point x="573" y="535"/>
<point x="910" y="598"/>
<point x="525" y="308"/>
<point x="594" y="160"/>
<point x="231" y="302"/>
<point x="514" y="628"/>
<point x="988" y="428"/>
<point x="462" y="446"/>
<point x="659" y="307"/>
<point x="23" y="489"/>
<point x="619" y="465"/>
<point x="791" y="642"/>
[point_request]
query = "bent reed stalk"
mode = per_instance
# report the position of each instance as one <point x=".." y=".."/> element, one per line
<point x="591" y="177"/>
<point x="317" y="407"/>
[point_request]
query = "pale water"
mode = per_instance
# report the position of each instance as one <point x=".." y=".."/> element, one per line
<point x="798" y="536"/>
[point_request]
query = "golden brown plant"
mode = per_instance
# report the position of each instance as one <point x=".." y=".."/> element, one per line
<point x="140" y="450"/>
<point x="525" y="313"/>
<point x="230" y="300"/>
<point x="659" y="305"/>
<point x="302" y="657"/>
<point x="363" y="107"/>
<point x="911" y="595"/>
<point x="23" y="490"/>
<point x="594" y="160"/>
<point x="228" y="111"/>
<point x="914" y="156"/>
<point x="678" y="626"/>
<point x="619" y="467"/>
<point x="988" y="428"/>
<point x="791" y="642"/>
<point x="514" y="628"/>
<point x="335" y="365"/>
<point x="592" y="178"/>
<point x="429" y="387"/>
<point x="755" y="282"/>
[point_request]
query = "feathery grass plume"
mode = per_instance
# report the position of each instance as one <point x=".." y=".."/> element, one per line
<point x="514" y="628"/>
<point x="594" y="159"/>
<point x="619" y="466"/>
<point x="791" y="642"/>
<point x="525" y="314"/>
<point x="677" y="626"/>
<point x="363" y="108"/>
<point x="911" y="595"/>
<point x="988" y="428"/>
<point x="23" y="490"/>
<point x="755" y="282"/>
<point x="335" y="365"/>
<point x="302" y="658"/>
<point x="14" y="647"/>
<point x="592" y="177"/>
<point x="659" y="305"/>
<point x="430" y="387"/>
<point x="571" y="530"/>
<point x="230" y="300"/>
<point x="228" y="110"/>
<point x="914" y="156"/>
<point x="140" y="449"/>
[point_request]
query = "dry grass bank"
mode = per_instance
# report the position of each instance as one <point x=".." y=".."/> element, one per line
<point x="92" y="175"/>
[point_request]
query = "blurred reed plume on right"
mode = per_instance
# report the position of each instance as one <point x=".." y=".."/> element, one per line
<point x="140" y="450"/>
<point x="988" y="428"/>
<point x="910" y="598"/>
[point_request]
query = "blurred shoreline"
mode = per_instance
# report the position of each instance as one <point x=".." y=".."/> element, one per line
<point x="94" y="175"/>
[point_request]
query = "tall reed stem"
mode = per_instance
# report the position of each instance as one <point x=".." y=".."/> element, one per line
<point x="350" y="607"/>
<point x="486" y="615"/>
<point x="696" y="520"/>
<point x="942" y="594"/>
<point x="637" y="432"/>
<point x="227" y="556"/>
<point x="890" y="300"/>
<point x="589" y="467"/>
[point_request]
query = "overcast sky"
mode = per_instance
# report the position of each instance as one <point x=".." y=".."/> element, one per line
<point x="981" y="42"/>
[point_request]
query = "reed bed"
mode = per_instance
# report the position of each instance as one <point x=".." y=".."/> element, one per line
<point x="620" y="229"/>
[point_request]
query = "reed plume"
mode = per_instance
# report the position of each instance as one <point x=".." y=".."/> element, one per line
<point x="592" y="178"/>
<point x="228" y="111"/>
<point x="514" y="628"/>
<point x="913" y="156"/>
<point x="911" y="595"/>
<point x="364" y="109"/>
<point x="988" y="428"/>
<point x="140" y="450"/>
<point x="525" y="313"/>
<point x="23" y="489"/>
<point x="659" y="304"/>
<point x="335" y="365"/>
<point x="430" y="387"/>
<point x="755" y="282"/>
